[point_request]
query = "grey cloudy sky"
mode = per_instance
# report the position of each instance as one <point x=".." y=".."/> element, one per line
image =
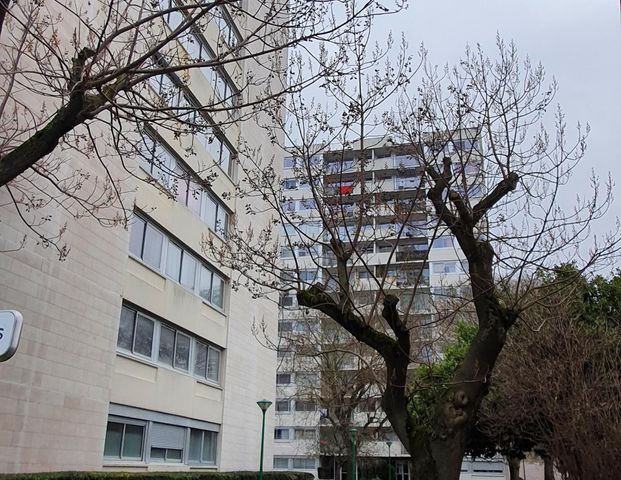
<point x="577" y="41"/>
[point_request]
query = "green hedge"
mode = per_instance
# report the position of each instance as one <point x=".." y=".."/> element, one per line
<point x="157" y="476"/>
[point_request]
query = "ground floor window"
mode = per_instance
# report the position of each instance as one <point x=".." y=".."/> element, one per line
<point x="124" y="440"/>
<point x="295" y="463"/>
<point x="159" y="438"/>
<point x="402" y="471"/>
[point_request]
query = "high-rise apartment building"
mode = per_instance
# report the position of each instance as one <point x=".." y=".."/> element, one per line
<point x="136" y="354"/>
<point x="400" y="249"/>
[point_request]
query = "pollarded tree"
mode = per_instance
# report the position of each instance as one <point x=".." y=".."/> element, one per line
<point x="87" y="78"/>
<point x="467" y="155"/>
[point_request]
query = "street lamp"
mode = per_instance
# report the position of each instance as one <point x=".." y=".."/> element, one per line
<point x="389" y="443"/>
<point x="354" y="467"/>
<point x="263" y="405"/>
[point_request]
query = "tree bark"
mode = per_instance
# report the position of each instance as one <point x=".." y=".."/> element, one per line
<point x="80" y="107"/>
<point x="548" y="469"/>
<point x="514" y="468"/>
<point x="4" y="7"/>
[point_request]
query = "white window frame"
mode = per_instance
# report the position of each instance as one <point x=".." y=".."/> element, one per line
<point x="155" y="348"/>
<point x="125" y="422"/>
<point x="162" y="267"/>
<point x="283" y="400"/>
<point x="282" y="440"/>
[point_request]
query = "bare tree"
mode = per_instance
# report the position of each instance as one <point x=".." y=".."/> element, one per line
<point x="336" y="377"/>
<point x="87" y="78"/>
<point x="482" y="167"/>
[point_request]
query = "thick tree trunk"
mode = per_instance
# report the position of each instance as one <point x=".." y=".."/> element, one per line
<point x="548" y="469"/>
<point x="514" y="468"/>
<point x="43" y="142"/>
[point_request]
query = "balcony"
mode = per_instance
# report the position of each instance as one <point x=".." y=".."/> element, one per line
<point x="411" y="256"/>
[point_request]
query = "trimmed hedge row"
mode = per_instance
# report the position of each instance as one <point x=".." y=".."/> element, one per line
<point x="157" y="476"/>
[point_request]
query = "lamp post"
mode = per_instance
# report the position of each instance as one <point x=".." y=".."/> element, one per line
<point x="354" y="467"/>
<point x="263" y="405"/>
<point x="389" y="443"/>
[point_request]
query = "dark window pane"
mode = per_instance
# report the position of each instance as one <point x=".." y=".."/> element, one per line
<point x="182" y="351"/>
<point x="213" y="365"/>
<point x="132" y="444"/>
<point x="200" y="361"/>
<point x="173" y="455"/>
<point x="143" y="342"/>
<point x="196" y="438"/>
<point x="126" y="329"/>
<point x="158" y="454"/>
<point x="167" y="345"/>
<point x="204" y="288"/>
<point x="136" y="235"/>
<point x="114" y="433"/>
<point x="179" y="184"/>
<point x="217" y="291"/>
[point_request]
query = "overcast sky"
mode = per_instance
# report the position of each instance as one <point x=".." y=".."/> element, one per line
<point x="577" y="41"/>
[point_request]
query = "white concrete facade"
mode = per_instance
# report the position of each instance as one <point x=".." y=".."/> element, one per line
<point x="125" y="361"/>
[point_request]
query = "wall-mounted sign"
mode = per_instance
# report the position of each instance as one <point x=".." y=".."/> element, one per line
<point x="10" y="330"/>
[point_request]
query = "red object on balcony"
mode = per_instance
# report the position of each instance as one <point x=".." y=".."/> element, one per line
<point x="346" y="189"/>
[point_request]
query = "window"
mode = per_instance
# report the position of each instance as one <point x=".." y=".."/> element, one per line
<point x="443" y="242"/>
<point x="137" y="333"/>
<point x="162" y="253"/>
<point x="281" y="434"/>
<point x="184" y="185"/>
<point x="198" y="48"/>
<point x="304" y="463"/>
<point x="402" y="183"/>
<point x="167" y="442"/>
<point x="306" y="379"/>
<point x="211" y="286"/>
<point x="203" y="446"/>
<point x="283" y="406"/>
<point x="292" y="162"/>
<point x="283" y="353"/>
<point x="166" y="454"/>
<point x="228" y="32"/>
<point x="207" y="362"/>
<point x="172" y="91"/>
<point x="146" y="242"/>
<point x="403" y="471"/>
<point x="289" y="206"/>
<point x="146" y="439"/>
<point x="285" y="326"/>
<point x="215" y="215"/>
<point x="290" y="184"/>
<point x="445" y="267"/>
<point x="405" y="161"/>
<point x="124" y="440"/>
<point x="304" y="406"/>
<point x="288" y="301"/>
<point x="304" y="434"/>
<point x="283" y="378"/>
<point x="281" y="462"/>
<point x="308" y="276"/>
